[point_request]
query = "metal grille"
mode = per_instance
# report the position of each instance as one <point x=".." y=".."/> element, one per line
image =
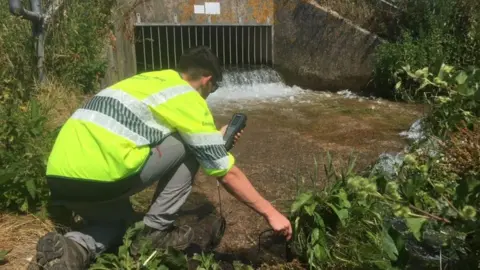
<point x="160" y="46"/>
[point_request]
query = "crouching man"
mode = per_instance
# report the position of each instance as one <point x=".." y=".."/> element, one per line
<point x="149" y="128"/>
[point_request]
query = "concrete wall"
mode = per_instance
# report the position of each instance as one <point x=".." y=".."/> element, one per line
<point x="164" y="11"/>
<point x="317" y="49"/>
<point x="313" y="47"/>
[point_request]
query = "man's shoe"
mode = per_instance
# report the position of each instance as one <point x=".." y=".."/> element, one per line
<point x="178" y="238"/>
<point x="56" y="252"/>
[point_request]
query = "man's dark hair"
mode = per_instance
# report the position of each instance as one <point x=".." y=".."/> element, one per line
<point x="200" y="61"/>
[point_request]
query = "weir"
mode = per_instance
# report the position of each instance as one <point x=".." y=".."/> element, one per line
<point x="159" y="46"/>
<point x="240" y="33"/>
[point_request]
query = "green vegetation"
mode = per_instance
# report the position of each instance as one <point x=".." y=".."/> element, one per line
<point x="74" y="44"/>
<point x="428" y="33"/>
<point x="148" y="259"/>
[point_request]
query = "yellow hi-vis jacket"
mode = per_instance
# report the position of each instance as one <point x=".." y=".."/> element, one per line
<point x="110" y="137"/>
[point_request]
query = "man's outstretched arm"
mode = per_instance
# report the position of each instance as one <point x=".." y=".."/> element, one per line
<point x="237" y="184"/>
<point x="193" y="120"/>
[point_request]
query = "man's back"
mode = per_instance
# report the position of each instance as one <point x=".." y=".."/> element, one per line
<point x="110" y="137"/>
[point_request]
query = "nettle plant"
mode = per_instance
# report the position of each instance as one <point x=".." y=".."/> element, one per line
<point x="376" y="221"/>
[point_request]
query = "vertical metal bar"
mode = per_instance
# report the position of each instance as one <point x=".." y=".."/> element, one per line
<point x="196" y="36"/>
<point x="203" y="35"/>
<point x="151" y="47"/>
<point x="273" y="45"/>
<point x="236" y="44"/>
<point x="189" y="38"/>
<point x="168" y="47"/>
<point x="144" y="50"/>
<point x="223" y="37"/>
<point x="248" y="42"/>
<point x="266" y="45"/>
<point x="261" y="47"/>
<point x="210" y="34"/>
<point x="230" y="43"/>
<point x="174" y="47"/>
<point x="254" y="45"/>
<point x="181" y="37"/>
<point x="216" y="39"/>
<point x="159" y="47"/>
<point x="243" y="41"/>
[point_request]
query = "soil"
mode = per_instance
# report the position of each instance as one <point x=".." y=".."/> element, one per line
<point x="278" y="146"/>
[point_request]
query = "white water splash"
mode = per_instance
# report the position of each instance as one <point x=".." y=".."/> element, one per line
<point x="415" y="133"/>
<point x="253" y="86"/>
<point x="347" y="94"/>
<point x="246" y="88"/>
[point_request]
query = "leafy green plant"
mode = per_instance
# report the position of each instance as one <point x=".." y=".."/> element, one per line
<point x="207" y="262"/>
<point x="453" y="94"/>
<point x="148" y="259"/>
<point x="367" y="220"/>
<point x="24" y="143"/>
<point x="338" y="228"/>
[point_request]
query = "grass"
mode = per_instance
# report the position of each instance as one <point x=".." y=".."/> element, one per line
<point x="19" y="234"/>
<point x="60" y="101"/>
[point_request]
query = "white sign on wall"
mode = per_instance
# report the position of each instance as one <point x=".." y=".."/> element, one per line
<point x="212" y="8"/>
<point x="199" y="9"/>
<point x="207" y="8"/>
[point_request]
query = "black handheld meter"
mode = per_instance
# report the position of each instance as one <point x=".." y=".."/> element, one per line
<point x="237" y="123"/>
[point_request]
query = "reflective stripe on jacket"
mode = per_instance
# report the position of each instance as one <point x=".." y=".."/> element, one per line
<point x="109" y="138"/>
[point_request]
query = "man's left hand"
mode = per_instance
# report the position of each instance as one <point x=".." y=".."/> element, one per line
<point x="237" y="136"/>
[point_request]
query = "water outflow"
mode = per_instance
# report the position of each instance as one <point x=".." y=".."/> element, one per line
<point x="252" y="87"/>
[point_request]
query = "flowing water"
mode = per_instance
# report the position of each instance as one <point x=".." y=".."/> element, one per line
<point x="246" y="89"/>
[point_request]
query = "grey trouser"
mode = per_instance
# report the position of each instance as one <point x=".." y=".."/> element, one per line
<point x="172" y="165"/>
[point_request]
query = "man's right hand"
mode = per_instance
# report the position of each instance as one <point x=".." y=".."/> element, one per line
<point x="237" y="184"/>
<point x="280" y="224"/>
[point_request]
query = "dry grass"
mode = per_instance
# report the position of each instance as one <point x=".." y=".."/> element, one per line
<point x="295" y="265"/>
<point x="59" y="100"/>
<point x="462" y="152"/>
<point x="20" y="234"/>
